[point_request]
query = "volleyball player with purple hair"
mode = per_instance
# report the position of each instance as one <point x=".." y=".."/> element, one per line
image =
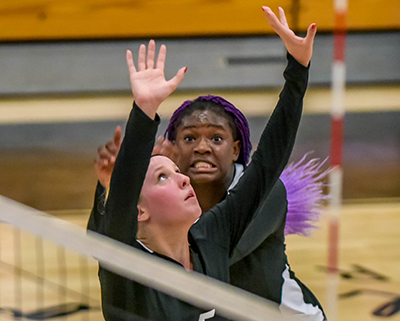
<point x="210" y="142"/>
<point x="303" y="181"/>
<point x="258" y="263"/>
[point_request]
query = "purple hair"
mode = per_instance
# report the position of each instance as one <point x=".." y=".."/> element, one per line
<point x="240" y="121"/>
<point x="304" y="186"/>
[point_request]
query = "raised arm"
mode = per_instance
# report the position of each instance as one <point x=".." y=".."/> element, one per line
<point x="150" y="89"/>
<point x="278" y="138"/>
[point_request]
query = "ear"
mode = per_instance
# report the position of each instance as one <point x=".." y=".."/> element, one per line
<point x="143" y="214"/>
<point x="236" y="149"/>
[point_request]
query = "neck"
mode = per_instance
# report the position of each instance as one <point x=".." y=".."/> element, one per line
<point x="209" y="194"/>
<point x="173" y="244"/>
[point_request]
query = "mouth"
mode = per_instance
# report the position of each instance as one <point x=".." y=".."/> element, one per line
<point x="190" y="195"/>
<point x="203" y="166"/>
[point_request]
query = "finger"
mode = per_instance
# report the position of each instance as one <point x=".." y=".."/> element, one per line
<point x="174" y="82"/>
<point x="268" y="13"/>
<point x="273" y="20"/>
<point x="311" y="32"/>
<point x="156" y="150"/>
<point x="142" y="58"/>
<point x="150" y="54"/>
<point x="117" y="136"/>
<point x="158" y="145"/>
<point x="282" y="17"/>
<point x="112" y="150"/>
<point x="160" y="140"/>
<point x="161" y="57"/>
<point x="174" y="152"/>
<point x="129" y="61"/>
<point x="103" y="154"/>
<point x="101" y="151"/>
<point x="100" y="162"/>
<point x="166" y="143"/>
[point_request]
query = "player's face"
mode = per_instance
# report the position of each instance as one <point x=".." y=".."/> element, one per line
<point x="207" y="150"/>
<point x="167" y="194"/>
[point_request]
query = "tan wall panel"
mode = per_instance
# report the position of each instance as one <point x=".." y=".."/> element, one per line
<point x="54" y="19"/>
<point x="361" y="15"/>
<point x="29" y="19"/>
<point x="320" y="12"/>
<point x="374" y="14"/>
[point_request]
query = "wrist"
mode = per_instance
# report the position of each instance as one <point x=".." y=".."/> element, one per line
<point x="148" y="107"/>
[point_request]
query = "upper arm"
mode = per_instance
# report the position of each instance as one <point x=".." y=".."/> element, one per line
<point x="128" y="176"/>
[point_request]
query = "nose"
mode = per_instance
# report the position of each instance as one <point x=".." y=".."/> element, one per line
<point x="183" y="180"/>
<point x="203" y="146"/>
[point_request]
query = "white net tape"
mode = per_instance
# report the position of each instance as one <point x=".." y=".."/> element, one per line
<point x="193" y="288"/>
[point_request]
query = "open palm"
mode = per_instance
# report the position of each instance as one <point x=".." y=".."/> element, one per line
<point x="300" y="48"/>
<point x="149" y="86"/>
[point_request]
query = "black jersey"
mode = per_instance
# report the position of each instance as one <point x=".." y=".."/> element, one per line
<point x="217" y="238"/>
<point x="259" y="263"/>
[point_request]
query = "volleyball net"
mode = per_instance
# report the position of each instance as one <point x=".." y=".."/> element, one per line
<point x="48" y="271"/>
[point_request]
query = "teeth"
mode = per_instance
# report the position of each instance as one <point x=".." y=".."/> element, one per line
<point x="202" y="164"/>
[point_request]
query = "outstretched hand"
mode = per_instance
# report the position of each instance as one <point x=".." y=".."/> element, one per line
<point x="149" y="86"/>
<point x="300" y="48"/>
<point x="106" y="156"/>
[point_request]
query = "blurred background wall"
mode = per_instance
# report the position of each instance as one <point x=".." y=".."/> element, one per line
<point x="64" y="84"/>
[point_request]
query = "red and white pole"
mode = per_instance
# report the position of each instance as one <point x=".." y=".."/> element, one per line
<point x="336" y="175"/>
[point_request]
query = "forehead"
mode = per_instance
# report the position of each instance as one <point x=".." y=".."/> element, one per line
<point x="160" y="161"/>
<point x="201" y="118"/>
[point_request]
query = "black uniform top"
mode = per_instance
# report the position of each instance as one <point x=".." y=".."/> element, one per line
<point x="217" y="233"/>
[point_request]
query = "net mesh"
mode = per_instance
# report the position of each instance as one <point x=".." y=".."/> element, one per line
<point x="48" y="271"/>
<point x="41" y="280"/>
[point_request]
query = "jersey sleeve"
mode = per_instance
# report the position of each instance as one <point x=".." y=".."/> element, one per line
<point x="271" y="156"/>
<point x="280" y="132"/>
<point x="120" y="220"/>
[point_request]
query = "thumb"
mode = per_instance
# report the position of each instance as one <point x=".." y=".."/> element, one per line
<point x="311" y="32"/>
<point x="175" y="81"/>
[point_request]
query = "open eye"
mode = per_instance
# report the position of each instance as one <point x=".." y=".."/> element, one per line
<point x="189" y="138"/>
<point x="217" y="138"/>
<point x="162" y="177"/>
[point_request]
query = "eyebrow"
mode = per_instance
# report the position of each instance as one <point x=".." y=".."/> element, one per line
<point x="208" y="125"/>
<point x="159" y="168"/>
<point x="164" y="167"/>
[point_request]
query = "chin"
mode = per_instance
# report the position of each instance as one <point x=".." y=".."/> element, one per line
<point x="196" y="214"/>
<point x="203" y="179"/>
